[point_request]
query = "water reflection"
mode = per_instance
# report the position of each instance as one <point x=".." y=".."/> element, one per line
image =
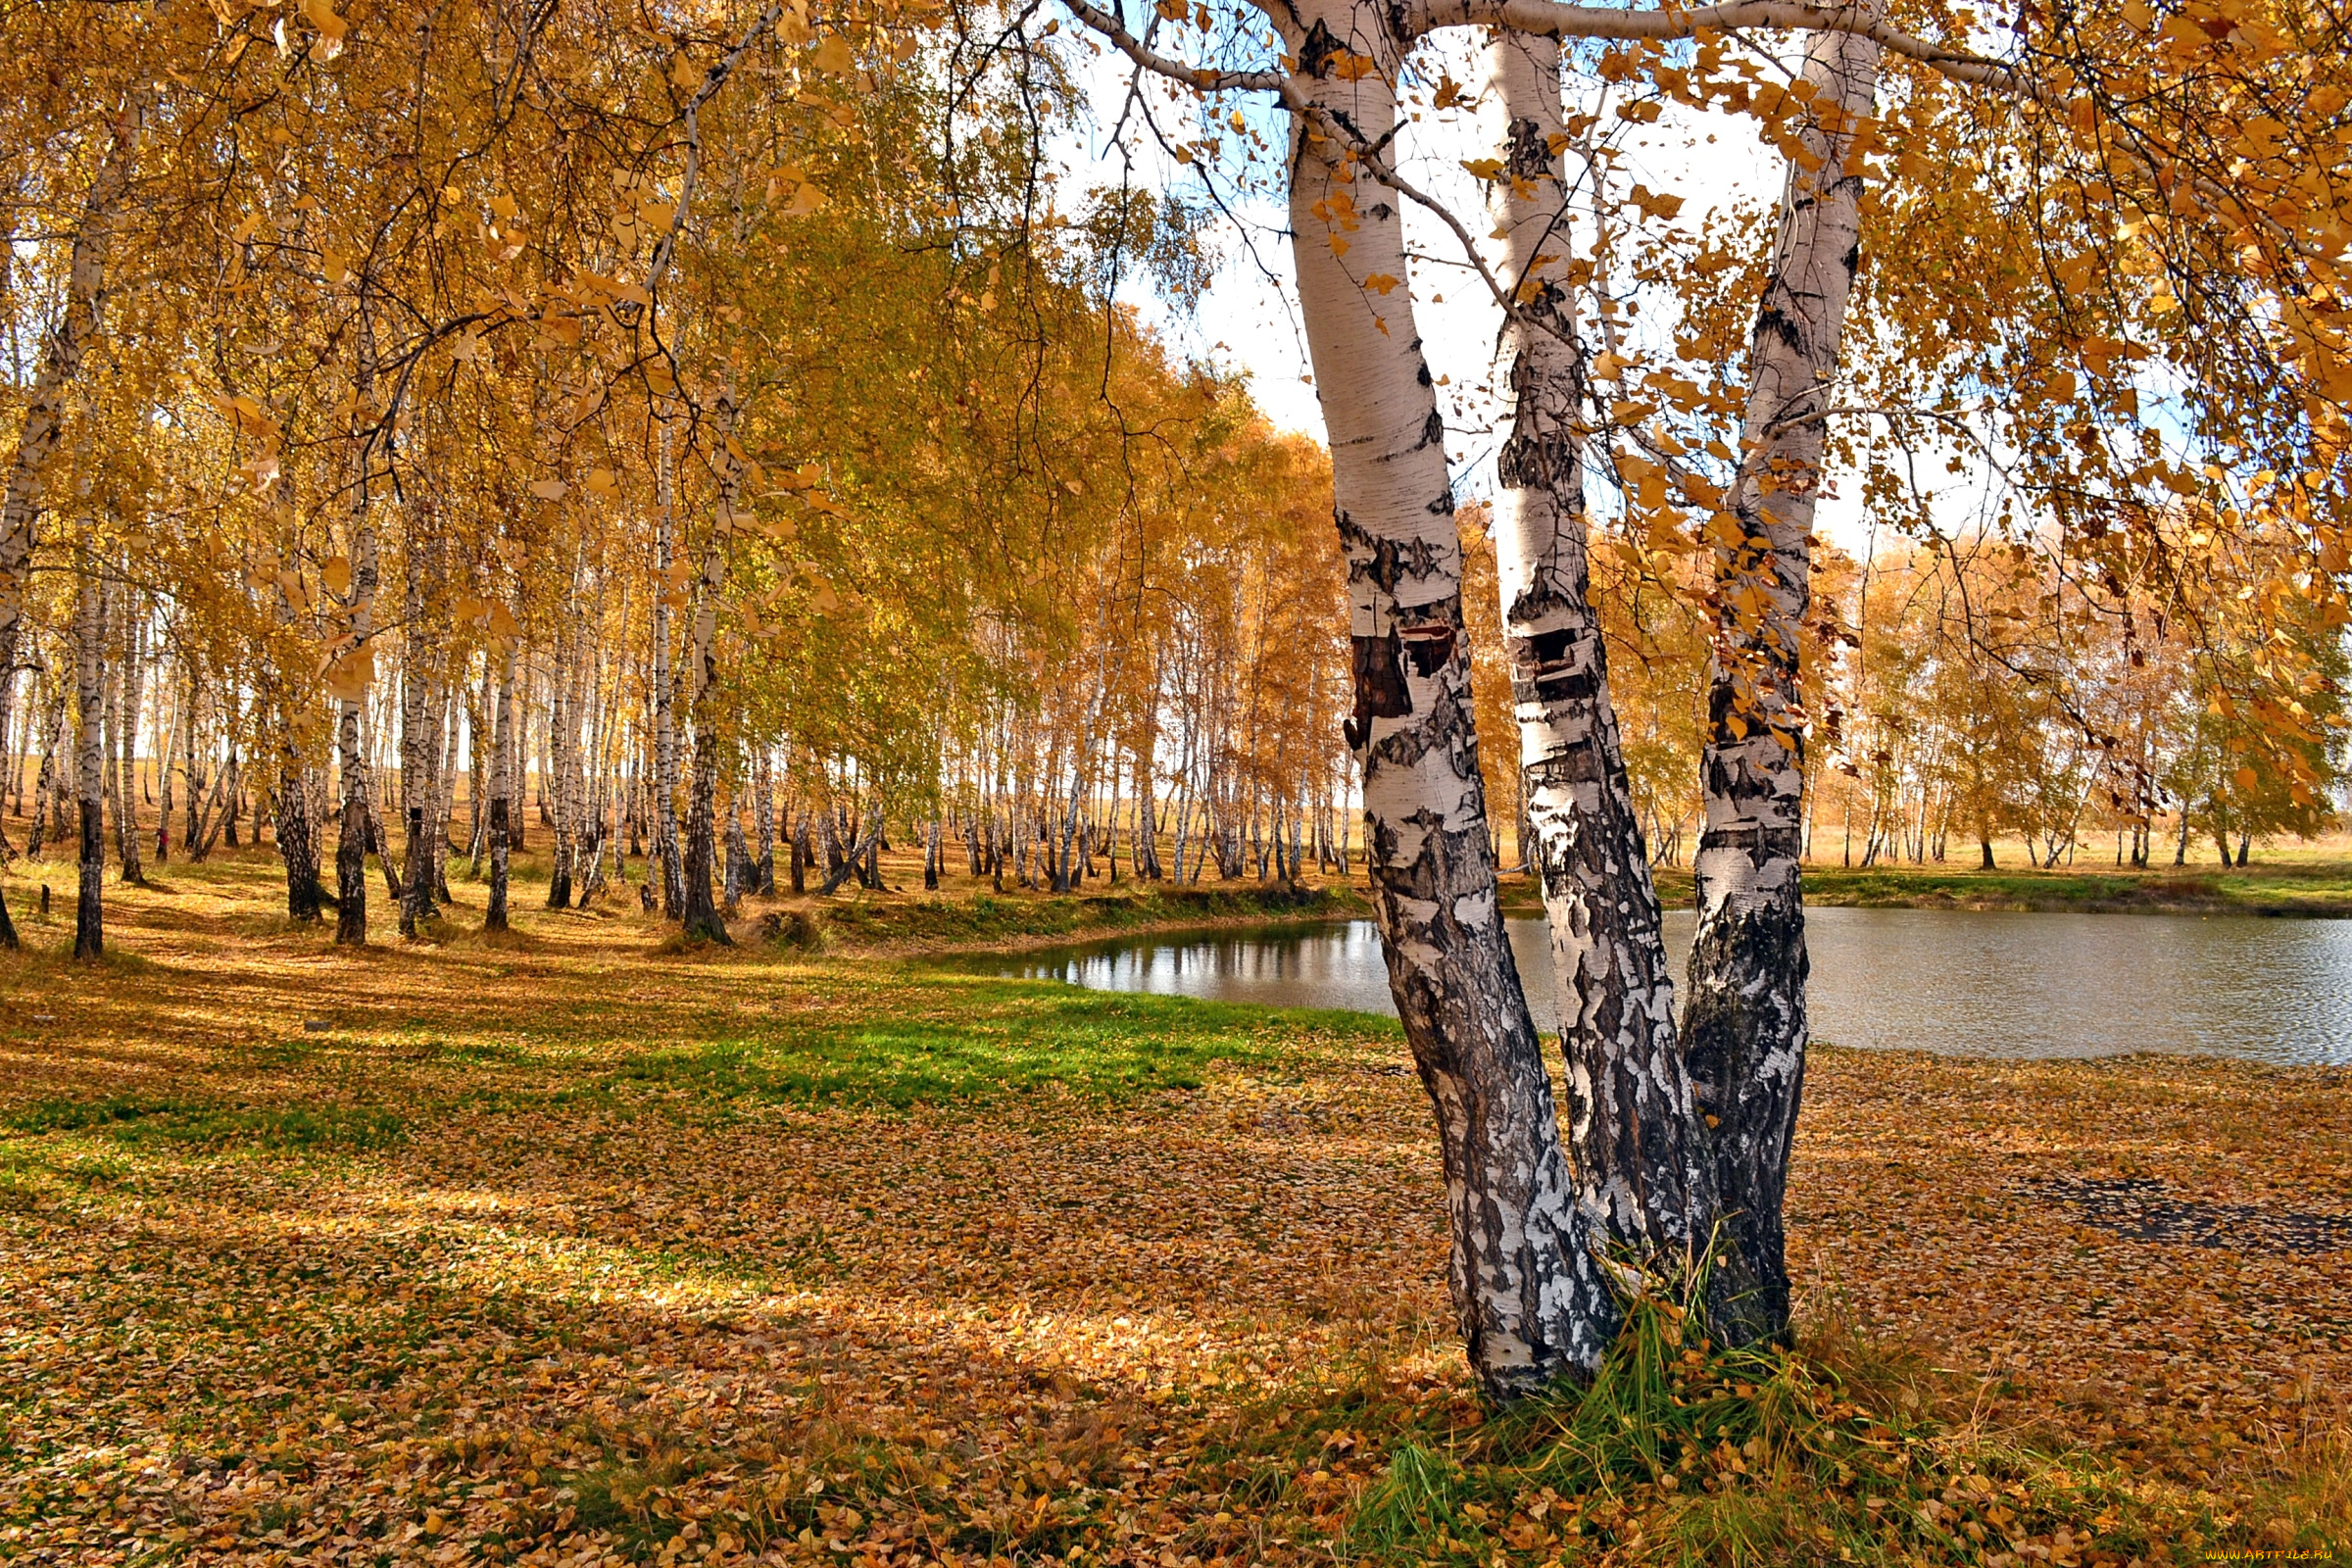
<point x="1974" y="984"/>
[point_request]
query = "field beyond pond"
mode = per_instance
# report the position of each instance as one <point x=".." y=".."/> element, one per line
<point x="580" y="1248"/>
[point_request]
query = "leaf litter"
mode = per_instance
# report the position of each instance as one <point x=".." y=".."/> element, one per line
<point x="566" y="1253"/>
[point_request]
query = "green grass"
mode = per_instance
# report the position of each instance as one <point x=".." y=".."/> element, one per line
<point x="977" y="1040"/>
<point x="983" y="918"/>
<point x="2304" y="885"/>
<point x="1691" y="1456"/>
<point x="138" y="1121"/>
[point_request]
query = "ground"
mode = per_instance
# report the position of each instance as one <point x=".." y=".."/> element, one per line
<point x="582" y="1245"/>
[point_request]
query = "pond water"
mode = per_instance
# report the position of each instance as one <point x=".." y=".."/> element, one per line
<point x="1960" y="982"/>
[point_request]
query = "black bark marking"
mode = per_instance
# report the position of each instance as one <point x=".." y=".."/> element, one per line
<point x="1317" y="50"/>
<point x="1380" y="689"/>
<point x="1771" y="321"/>
<point x="1429" y="645"/>
<point x="1385" y="563"/>
<point x="1762" y="844"/>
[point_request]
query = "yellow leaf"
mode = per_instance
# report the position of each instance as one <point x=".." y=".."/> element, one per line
<point x="1483" y="168"/>
<point x="2246" y="779"/>
<point x="320" y="14"/>
<point x="832" y="56"/>
<point x="685" y="73"/>
<point x="336" y="574"/>
<point x="549" y="489"/>
<point x="1380" y="283"/>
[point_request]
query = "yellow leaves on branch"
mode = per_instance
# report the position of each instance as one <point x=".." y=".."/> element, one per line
<point x="1339" y="214"/>
<point x="832" y="54"/>
<point x="320" y="14"/>
<point x="796" y="194"/>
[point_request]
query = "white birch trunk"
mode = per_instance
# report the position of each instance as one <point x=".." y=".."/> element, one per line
<point x="1744" y="1027"/>
<point x="1641" y="1161"/>
<point x="1529" y="1296"/>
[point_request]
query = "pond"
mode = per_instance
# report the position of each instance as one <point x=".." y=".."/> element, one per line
<point x="1959" y="981"/>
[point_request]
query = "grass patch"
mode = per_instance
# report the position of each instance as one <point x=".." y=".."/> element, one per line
<point x="999" y="1039"/>
<point x="982" y="917"/>
<point x="137" y="1121"/>
<point x="1843" y="1450"/>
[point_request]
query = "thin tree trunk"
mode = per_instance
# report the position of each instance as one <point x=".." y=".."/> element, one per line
<point x="125" y="731"/>
<point x="1744" y="1026"/>
<point x="697" y="914"/>
<point x="666" y="742"/>
<point x="502" y="785"/>
<point x="62" y="353"/>
<point x="89" y="762"/>
<point x="1640" y="1159"/>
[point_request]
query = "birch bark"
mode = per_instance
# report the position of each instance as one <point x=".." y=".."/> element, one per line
<point x="63" y="350"/>
<point x="665" y="741"/>
<point x="350" y="844"/>
<point x="125" y="731"/>
<point x="89" y="761"/>
<point x="1528" y="1294"/>
<point x="698" y="915"/>
<point x="1641" y="1163"/>
<point x="502" y="786"/>
<point x="1744" y="1026"/>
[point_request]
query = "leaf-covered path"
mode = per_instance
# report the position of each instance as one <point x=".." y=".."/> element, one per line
<point x="570" y="1250"/>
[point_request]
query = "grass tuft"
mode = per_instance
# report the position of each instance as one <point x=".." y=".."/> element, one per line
<point x="135" y="1120"/>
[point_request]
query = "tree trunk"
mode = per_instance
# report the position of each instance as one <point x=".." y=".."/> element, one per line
<point x="1744" y="1028"/>
<point x="501" y="787"/>
<point x="125" y="731"/>
<point x="1527" y="1293"/>
<point x="764" y="816"/>
<point x="417" y="741"/>
<point x="61" y="356"/>
<point x="297" y="845"/>
<point x="89" y="761"/>
<point x="699" y="914"/>
<point x="1640" y="1162"/>
<point x="665" y="741"/>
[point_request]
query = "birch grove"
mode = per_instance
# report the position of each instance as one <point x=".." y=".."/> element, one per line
<point x="695" y="458"/>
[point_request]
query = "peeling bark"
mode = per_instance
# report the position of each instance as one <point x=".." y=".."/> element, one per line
<point x="89" y="762"/>
<point x="1745" y="1025"/>
<point x="1639" y="1160"/>
<point x="502" y="799"/>
<point x="1527" y="1292"/>
<point x="63" y="349"/>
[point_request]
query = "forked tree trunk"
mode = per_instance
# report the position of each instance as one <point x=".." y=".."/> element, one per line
<point x="355" y="830"/>
<point x="89" y="762"/>
<point x="1744" y="1026"/>
<point x="1640" y="1158"/>
<point x="562" y="747"/>
<point x="1529" y="1297"/>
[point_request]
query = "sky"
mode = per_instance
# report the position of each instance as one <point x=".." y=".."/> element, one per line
<point x="1248" y="321"/>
